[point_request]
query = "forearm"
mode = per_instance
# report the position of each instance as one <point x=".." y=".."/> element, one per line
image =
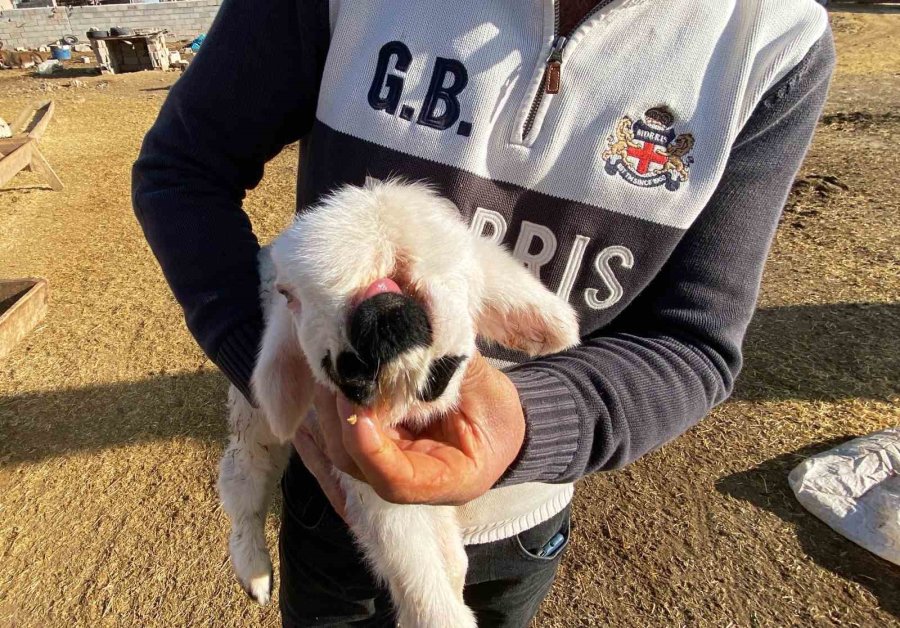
<point x="206" y="248"/>
<point x="222" y="121"/>
<point x="675" y="352"/>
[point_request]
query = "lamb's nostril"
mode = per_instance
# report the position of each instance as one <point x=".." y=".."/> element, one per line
<point x="355" y="378"/>
<point x="386" y="325"/>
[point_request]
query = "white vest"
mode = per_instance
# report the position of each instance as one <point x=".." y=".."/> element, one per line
<point x="460" y="81"/>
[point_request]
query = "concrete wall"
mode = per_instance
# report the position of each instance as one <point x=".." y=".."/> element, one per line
<point x="38" y="27"/>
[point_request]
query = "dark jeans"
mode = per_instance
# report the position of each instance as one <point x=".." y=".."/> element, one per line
<point x="324" y="581"/>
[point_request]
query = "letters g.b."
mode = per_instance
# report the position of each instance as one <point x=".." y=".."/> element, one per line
<point x="440" y="106"/>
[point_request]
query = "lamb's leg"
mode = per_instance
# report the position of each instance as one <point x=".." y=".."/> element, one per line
<point x="417" y="551"/>
<point x="252" y="464"/>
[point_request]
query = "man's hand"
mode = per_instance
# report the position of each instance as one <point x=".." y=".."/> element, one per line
<point x="453" y="461"/>
<point x="312" y="450"/>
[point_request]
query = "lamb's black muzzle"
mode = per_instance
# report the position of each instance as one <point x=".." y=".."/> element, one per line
<point x="381" y="328"/>
<point x="386" y="325"/>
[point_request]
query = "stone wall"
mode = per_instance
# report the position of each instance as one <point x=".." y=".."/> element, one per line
<point x="185" y="19"/>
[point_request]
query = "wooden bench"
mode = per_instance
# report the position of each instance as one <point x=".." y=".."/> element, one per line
<point x="21" y="151"/>
<point x="23" y="304"/>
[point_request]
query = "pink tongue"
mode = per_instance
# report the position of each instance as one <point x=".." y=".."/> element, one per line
<point x="382" y="285"/>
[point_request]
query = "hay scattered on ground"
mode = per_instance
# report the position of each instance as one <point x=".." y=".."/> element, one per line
<point x="111" y="420"/>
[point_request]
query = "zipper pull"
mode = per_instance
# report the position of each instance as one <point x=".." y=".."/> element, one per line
<point x="553" y="71"/>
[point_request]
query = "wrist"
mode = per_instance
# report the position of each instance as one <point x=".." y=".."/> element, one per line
<point x="237" y="353"/>
<point x="552" y="428"/>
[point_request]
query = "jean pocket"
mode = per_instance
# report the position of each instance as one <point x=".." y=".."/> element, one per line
<point x="546" y="541"/>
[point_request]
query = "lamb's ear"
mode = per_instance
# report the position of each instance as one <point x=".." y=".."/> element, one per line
<point x="517" y="310"/>
<point x="282" y="382"/>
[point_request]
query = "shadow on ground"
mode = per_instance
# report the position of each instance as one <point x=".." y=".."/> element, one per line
<point x="42" y="425"/>
<point x="840" y="7"/>
<point x="766" y="487"/>
<point x="71" y="72"/>
<point x="807" y="352"/>
<point x="822" y="352"/>
<point x="26" y="188"/>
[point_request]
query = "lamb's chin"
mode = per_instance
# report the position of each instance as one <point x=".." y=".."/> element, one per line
<point x="420" y="415"/>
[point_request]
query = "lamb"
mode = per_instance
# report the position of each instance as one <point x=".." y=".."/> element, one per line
<point x="378" y="292"/>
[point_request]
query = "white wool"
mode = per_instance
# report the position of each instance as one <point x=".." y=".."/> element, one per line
<point x="470" y="287"/>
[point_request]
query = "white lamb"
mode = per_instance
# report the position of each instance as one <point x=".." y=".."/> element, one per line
<point x="378" y="292"/>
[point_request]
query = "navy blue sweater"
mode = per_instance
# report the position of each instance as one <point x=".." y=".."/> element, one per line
<point x="658" y="352"/>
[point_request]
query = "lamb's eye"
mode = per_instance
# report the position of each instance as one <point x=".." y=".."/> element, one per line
<point x="287" y="295"/>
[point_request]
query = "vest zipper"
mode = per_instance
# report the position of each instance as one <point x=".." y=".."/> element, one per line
<point x="551" y="83"/>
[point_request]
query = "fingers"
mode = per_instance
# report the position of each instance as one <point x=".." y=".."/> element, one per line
<point x="369" y="448"/>
<point x="408" y="471"/>
<point x="315" y="460"/>
<point x="441" y="465"/>
<point x="379" y="458"/>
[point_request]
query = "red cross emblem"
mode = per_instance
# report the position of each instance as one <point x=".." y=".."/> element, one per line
<point x="648" y="152"/>
<point x="646" y="155"/>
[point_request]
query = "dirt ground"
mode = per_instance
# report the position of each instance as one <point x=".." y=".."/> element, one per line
<point x="111" y="420"/>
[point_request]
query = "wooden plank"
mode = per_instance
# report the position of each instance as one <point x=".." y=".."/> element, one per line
<point x="21" y="311"/>
<point x="43" y="115"/>
<point x="33" y="120"/>
<point x="12" y="163"/>
<point x="9" y="144"/>
<point x="40" y="163"/>
<point x="21" y="151"/>
<point x="10" y="288"/>
<point x="143" y="36"/>
<point x="18" y="125"/>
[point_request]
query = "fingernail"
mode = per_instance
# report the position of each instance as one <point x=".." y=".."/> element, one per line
<point x="367" y="433"/>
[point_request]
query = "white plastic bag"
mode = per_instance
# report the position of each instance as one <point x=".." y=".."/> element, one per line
<point x="855" y="489"/>
<point x="48" y="67"/>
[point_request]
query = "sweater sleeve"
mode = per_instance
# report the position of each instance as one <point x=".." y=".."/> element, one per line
<point x="675" y="352"/>
<point x="251" y="90"/>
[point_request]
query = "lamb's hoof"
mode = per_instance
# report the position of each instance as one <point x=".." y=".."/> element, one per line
<point x="260" y="589"/>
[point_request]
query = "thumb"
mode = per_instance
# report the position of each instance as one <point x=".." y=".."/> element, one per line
<point x="381" y="461"/>
<point x="360" y="428"/>
<point x="363" y="436"/>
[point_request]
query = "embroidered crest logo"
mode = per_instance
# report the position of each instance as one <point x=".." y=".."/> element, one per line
<point x="648" y="153"/>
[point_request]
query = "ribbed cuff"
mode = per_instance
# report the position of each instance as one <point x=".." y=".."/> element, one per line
<point x="237" y="355"/>
<point x="552" y="428"/>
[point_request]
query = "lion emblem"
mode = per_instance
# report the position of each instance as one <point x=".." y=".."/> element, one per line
<point x="621" y="140"/>
<point x="676" y="152"/>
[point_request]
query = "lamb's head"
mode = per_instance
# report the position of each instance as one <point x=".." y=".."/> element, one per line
<point x="384" y="290"/>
